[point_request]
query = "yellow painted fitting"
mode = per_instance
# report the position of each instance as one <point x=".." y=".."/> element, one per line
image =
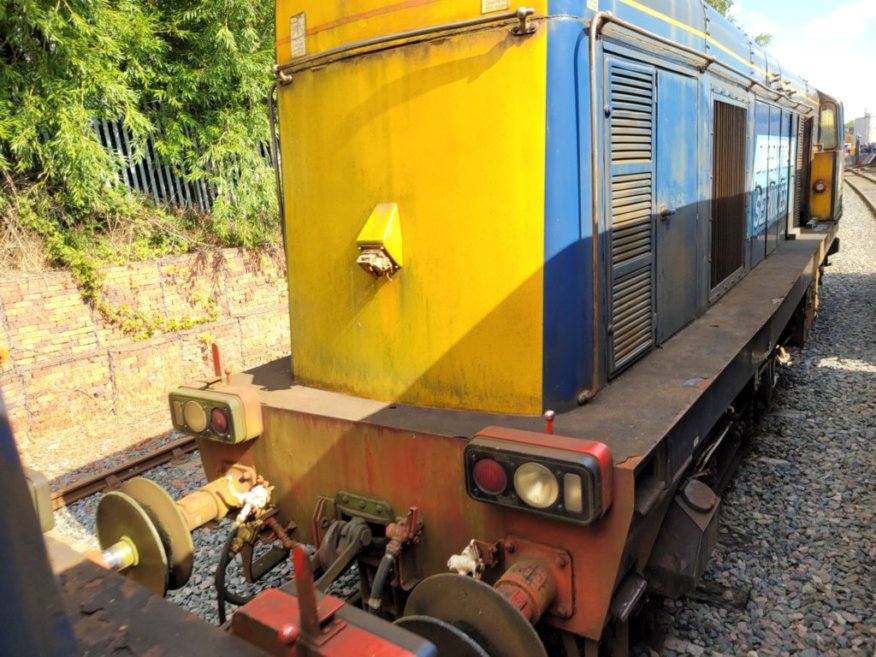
<point x="380" y="241"/>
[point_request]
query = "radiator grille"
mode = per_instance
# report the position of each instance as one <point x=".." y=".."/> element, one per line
<point x="728" y="189"/>
<point x="631" y="217"/>
<point x="632" y="102"/>
<point x="633" y="315"/>
<point x="631" y="94"/>
<point x="801" y="178"/>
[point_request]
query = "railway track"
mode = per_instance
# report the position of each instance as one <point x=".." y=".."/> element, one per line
<point x="864" y="185"/>
<point x="131" y="468"/>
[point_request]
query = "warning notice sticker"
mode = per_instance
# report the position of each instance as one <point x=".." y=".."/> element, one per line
<point x="297" y="33"/>
<point x="488" y="6"/>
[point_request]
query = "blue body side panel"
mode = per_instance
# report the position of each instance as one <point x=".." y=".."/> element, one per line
<point x="676" y="189"/>
<point x="689" y="13"/>
<point x="775" y="190"/>
<point x="760" y="182"/>
<point x="568" y="281"/>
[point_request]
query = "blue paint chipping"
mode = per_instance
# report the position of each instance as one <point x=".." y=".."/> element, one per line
<point x="567" y="248"/>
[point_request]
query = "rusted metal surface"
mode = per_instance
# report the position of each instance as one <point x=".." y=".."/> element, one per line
<point x="556" y="591"/>
<point x="300" y="622"/>
<point x="112" y="615"/>
<point x="309" y="456"/>
<point x="404" y="535"/>
<point x="484" y="613"/>
<point x="530" y="586"/>
<point x="111" y="478"/>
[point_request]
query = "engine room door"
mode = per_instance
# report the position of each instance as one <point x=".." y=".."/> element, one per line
<point x="676" y="202"/>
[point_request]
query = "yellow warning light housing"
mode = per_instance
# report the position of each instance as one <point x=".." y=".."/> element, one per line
<point x="229" y="414"/>
<point x="380" y="242"/>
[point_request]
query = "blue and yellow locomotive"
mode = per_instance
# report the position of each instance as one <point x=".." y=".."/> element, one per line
<point x="541" y="261"/>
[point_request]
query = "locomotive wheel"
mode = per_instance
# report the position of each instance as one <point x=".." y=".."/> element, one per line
<point x="478" y="611"/>
<point x="170" y="524"/>
<point x="449" y="639"/>
<point x="120" y="517"/>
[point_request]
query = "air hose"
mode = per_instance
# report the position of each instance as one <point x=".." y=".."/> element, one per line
<point x="223" y="595"/>
<point x="376" y="598"/>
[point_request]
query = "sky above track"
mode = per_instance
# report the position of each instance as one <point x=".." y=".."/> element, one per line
<point x="831" y="44"/>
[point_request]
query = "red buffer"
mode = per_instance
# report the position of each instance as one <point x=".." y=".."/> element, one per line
<point x="299" y="622"/>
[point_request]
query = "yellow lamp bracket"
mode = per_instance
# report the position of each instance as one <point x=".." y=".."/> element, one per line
<point x="380" y="242"/>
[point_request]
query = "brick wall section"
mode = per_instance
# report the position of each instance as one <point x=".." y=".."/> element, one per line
<point x="46" y="319"/>
<point x="70" y="370"/>
<point x="69" y="393"/>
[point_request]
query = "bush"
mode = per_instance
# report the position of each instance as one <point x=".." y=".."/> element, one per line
<point x="198" y="70"/>
<point x="189" y="73"/>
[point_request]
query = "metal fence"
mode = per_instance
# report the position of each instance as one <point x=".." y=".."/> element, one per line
<point x="148" y="174"/>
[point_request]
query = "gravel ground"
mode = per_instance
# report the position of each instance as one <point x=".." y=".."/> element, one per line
<point x="797" y="525"/>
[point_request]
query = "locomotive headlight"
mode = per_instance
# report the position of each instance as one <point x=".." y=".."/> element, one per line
<point x="536" y="485"/>
<point x="564" y="478"/>
<point x="229" y="414"/>
<point x="195" y="416"/>
<point x="573" y="495"/>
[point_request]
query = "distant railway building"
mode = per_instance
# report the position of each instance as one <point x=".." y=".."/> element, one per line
<point x="865" y="128"/>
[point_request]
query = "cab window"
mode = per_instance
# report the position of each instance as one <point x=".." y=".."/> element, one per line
<point x="827" y="127"/>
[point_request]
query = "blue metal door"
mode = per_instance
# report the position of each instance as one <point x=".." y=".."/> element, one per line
<point x="760" y="183"/>
<point x="676" y="202"/>
<point x="785" y="174"/>
<point x="776" y="195"/>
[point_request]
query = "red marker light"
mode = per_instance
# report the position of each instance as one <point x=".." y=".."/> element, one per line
<point x="219" y="420"/>
<point x="490" y="476"/>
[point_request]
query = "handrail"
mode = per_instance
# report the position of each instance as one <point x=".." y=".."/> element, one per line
<point x="275" y="161"/>
<point x="521" y="15"/>
<point x="710" y="60"/>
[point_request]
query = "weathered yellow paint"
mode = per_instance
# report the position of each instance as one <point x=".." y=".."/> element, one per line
<point x="383" y="229"/>
<point x="822" y="169"/>
<point x="333" y="23"/>
<point x="452" y="130"/>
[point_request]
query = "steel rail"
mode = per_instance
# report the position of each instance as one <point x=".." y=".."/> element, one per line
<point x="870" y="202"/>
<point x="127" y="470"/>
<point x="865" y="176"/>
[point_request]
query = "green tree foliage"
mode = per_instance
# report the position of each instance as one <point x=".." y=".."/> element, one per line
<point x="190" y="72"/>
<point x="723" y="7"/>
